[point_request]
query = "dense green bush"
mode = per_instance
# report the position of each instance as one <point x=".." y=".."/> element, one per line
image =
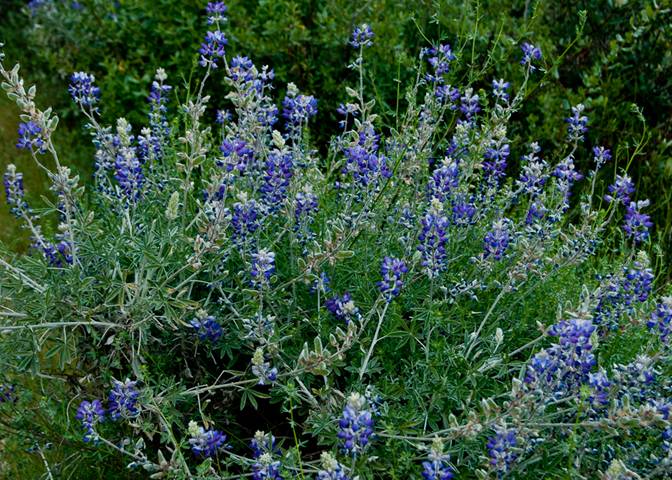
<point x="396" y="301"/>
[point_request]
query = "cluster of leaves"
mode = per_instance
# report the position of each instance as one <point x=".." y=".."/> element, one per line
<point x="392" y="303"/>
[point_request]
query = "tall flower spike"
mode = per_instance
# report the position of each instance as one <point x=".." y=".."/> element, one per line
<point x="266" y="468"/>
<point x="439" y="59"/>
<point x="433" y="238"/>
<point x="158" y="123"/>
<point x="637" y="224"/>
<point x="128" y="170"/>
<point x="497" y="240"/>
<point x="212" y="49"/>
<point x="500" y="90"/>
<point x="355" y="425"/>
<point x="263" y="266"/>
<point x="501" y="449"/>
<point x="216" y="11"/>
<point x="237" y="155"/>
<point x="470" y="104"/>
<point x="90" y="414"/>
<point x="245" y="220"/>
<point x="576" y="127"/>
<point x="362" y="36"/>
<point x="83" y="90"/>
<point x="601" y="156"/>
<point x="297" y="108"/>
<point x="123" y="399"/>
<point x="14" y="192"/>
<point x="262" y="369"/>
<point x="661" y="319"/>
<point x="620" y="190"/>
<point x="277" y="176"/>
<point x="263" y="443"/>
<point x="392" y="271"/>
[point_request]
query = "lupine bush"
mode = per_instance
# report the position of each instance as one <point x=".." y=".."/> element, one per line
<point x="228" y="301"/>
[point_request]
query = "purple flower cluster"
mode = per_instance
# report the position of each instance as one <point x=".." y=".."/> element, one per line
<point x="265" y="468"/>
<point x="343" y="308"/>
<point x="7" y="393"/>
<point x="331" y="469"/>
<point x="392" y="270"/>
<point x="263" y="266"/>
<point x="566" y="175"/>
<point x="599" y="386"/>
<point x="497" y="240"/>
<point x="123" y="400"/>
<point x="262" y="369"/>
<point x="636" y="380"/>
<point x="207" y="328"/>
<point x="237" y="155"/>
<point x="436" y="466"/>
<point x="249" y="84"/>
<point x="661" y="319"/>
<point x="366" y="165"/>
<point x="618" y="293"/>
<point x="205" y="443"/>
<point x="216" y="11"/>
<point x="470" y="105"/>
<point x="362" y="36"/>
<point x="277" y="175"/>
<point x="90" y="414"/>
<point x="601" y="156"/>
<point x="637" y="224"/>
<point x="443" y="180"/>
<point x="245" y="220"/>
<point x="263" y="443"/>
<point x="564" y="367"/>
<point x="57" y="255"/>
<point x="447" y="94"/>
<point x="502" y="449"/>
<point x="14" y="191"/>
<point x="439" y="59"/>
<point x="83" y="90"/>
<point x="533" y="175"/>
<point x="530" y="54"/>
<point x="620" y="190"/>
<point x="158" y="123"/>
<point x="128" y="172"/>
<point x="576" y="127"/>
<point x="356" y="425"/>
<point x="30" y="137"/>
<point x="494" y="165"/>
<point x="297" y="108"/>
<point x="305" y="208"/>
<point x="433" y="238"/>
<point x="212" y="48"/>
<point x="500" y="90"/>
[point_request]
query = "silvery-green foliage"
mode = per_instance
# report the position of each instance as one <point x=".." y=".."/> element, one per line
<point x="398" y="301"/>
